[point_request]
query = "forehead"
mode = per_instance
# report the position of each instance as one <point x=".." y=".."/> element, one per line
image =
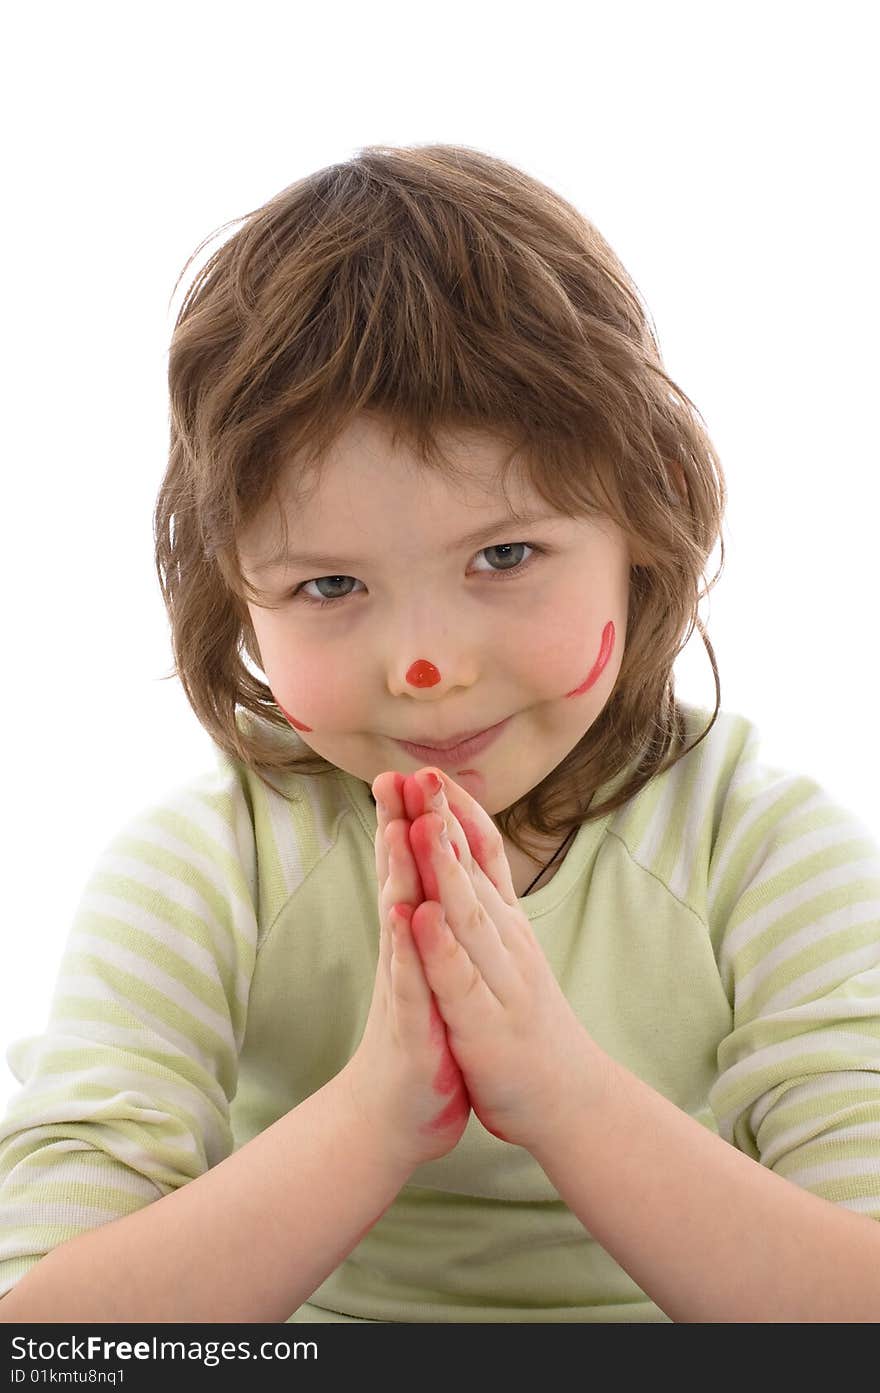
<point x="472" y="464"/>
<point x="365" y="474"/>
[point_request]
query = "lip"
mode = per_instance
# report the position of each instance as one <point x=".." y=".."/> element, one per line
<point x="434" y="754"/>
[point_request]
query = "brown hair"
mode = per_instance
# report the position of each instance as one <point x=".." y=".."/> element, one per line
<point x="439" y="287"/>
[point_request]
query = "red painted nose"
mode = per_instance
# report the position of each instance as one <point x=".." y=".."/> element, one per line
<point x="422" y="674"/>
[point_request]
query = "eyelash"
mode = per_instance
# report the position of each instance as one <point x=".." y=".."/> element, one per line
<point x="514" y="571"/>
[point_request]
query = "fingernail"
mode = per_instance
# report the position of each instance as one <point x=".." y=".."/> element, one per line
<point x="433" y="782"/>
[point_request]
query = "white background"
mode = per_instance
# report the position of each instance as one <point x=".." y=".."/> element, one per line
<point x="727" y="152"/>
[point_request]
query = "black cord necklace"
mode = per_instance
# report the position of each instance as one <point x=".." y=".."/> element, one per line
<point x="556" y="853"/>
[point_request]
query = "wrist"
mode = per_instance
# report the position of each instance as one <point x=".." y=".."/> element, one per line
<point x="368" y="1126"/>
<point x="583" y="1084"/>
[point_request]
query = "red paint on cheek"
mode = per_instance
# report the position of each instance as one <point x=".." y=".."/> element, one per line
<point x="598" y="667"/>
<point x="297" y="725"/>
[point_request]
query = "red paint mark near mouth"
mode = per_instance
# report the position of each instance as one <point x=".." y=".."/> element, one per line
<point x="600" y="663"/>
<point x="297" y="725"/>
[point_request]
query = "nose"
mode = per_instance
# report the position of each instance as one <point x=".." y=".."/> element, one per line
<point x="422" y="673"/>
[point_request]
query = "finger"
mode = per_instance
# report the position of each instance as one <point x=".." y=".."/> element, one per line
<point x="387" y="789"/>
<point x="423" y="793"/>
<point x="455" y="980"/>
<point x="404" y="882"/>
<point x="411" y="994"/>
<point x="484" y="841"/>
<point x="497" y="907"/>
<point x="451" y="885"/>
<point x="401" y="883"/>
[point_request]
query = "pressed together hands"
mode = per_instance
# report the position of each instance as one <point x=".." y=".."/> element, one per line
<point x="466" y="1012"/>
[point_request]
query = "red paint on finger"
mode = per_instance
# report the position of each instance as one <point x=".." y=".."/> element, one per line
<point x="422" y="840"/>
<point x="476" y="840"/>
<point x="434" y="783"/>
<point x="605" y="651"/>
<point x="428" y="934"/>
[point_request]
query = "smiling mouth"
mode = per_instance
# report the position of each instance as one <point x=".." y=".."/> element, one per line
<point x="450" y="744"/>
<point x="452" y="754"/>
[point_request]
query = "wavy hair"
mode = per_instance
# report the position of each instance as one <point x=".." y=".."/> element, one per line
<point x="439" y="287"/>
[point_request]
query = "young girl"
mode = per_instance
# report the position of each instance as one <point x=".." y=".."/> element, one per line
<point x="482" y="980"/>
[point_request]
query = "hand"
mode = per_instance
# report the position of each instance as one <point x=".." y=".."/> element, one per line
<point x="403" y="1077"/>
<point x="519" y="1045"/>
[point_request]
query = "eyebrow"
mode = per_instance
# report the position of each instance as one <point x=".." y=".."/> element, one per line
<point x="333" y="563"/>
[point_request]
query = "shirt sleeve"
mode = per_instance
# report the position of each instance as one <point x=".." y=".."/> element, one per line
<point x="125" y="1095"/>
<point x="794" y="903"/>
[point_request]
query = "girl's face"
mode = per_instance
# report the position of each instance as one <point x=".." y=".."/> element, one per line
<point x="428" y="630"/>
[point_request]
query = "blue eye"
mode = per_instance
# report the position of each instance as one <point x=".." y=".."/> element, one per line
<point x="509" y="572"/>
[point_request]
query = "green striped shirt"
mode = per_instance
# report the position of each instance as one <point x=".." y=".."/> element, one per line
<point x="719" y="936"/>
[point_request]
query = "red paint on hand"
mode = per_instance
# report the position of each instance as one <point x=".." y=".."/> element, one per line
<point x="448" y="1075"/>
<point x="455" y="1112"/>
<point x="499" y="1135"/>
<point x="448" y="1078"/>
